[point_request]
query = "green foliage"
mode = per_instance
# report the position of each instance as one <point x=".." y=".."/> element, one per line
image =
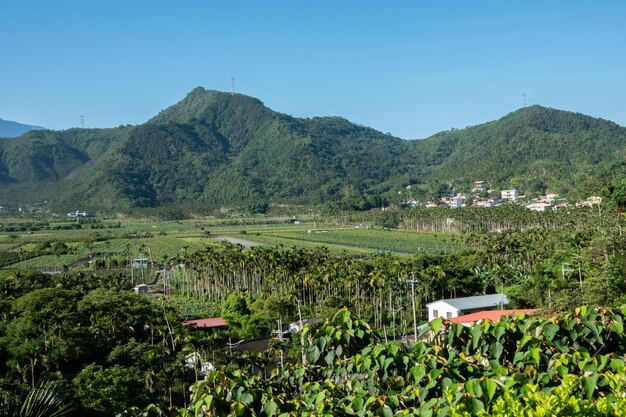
<point x="46" y="400"/>
<point x="565" y="365"/>
<point x="101" y="390"/>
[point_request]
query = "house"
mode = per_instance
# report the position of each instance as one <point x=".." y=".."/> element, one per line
<point x="80" y="214"/>
<point x="550" y="197"/>
<point x="207" y="323"/>
<point x="140" y="263"/>
<point x="141" y="289"/>
<point x="491" y="315"/>
<point x="538" y="206"/>
<point x="510" y="195"/>
<point x="590" y="202"/>
<point x="455" y="307"/>
<point x="479" y="187"/>
<point x="456" y="201"/>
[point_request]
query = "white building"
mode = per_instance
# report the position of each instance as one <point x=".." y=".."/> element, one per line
<point x="590" y="202"/>
<point x="479" y="187"/>
<point x="456" y="202"/>
<point x="79" y="214"/>
<point x="455" y="307"/>
<point x="141" y="289"/>
<point x="538" y="206"/>
<point x="510" y="195"/>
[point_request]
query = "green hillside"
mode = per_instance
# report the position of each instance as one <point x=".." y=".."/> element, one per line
<point x="532" y="149"/>
<point x="215" y="149"/>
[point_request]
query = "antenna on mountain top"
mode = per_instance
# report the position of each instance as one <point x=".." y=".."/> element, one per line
<point x="524" y="100"/>
<point x="232" y="86"/>
<point x="82" y="121"/>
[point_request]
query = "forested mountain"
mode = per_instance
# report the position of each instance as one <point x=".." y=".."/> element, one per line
<point x="532" y="149"/>
<point x="10" y="129"/>
<point x="215" y="148"/>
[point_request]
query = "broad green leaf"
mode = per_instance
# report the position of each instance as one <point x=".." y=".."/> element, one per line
<point x="589" y="384"/>
<point x="550" y="330"/>
<point x="476" y="333"/>
<point x="617" y="327"/>
<point x="489" y="388"/>
<point x="269" y="408"/>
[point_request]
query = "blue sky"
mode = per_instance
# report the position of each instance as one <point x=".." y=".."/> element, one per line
<point x="411" y="68"/>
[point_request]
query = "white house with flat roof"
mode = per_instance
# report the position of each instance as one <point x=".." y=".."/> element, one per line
<point x="455" y="307"/>
<point x="510" y="195"/>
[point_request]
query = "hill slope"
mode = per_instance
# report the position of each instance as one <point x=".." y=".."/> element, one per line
<point x="532" y="149"/>
<point x="215" y="149"/>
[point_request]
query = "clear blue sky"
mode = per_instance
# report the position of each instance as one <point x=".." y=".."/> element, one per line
<point x="411" y="68"/>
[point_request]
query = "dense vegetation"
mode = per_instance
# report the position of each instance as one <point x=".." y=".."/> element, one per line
<point x="81" y="335"/>
<point x="570" y="365"/>
<point x="213" y="149"/>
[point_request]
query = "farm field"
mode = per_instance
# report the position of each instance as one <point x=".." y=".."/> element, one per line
<point x="157" y="240"/>
<point x="395" y="241"/>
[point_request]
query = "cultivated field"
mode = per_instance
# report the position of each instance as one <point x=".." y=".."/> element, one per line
<point x="56" y="244"/>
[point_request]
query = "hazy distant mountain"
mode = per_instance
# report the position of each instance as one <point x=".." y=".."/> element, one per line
<point x="9" y="129"/>
<point x="214" y="149"/>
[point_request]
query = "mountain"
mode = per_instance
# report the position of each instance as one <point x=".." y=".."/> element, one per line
<point x="533" y="149"/>
<point x="213" y="149"/>
<point x="9" y="129"/>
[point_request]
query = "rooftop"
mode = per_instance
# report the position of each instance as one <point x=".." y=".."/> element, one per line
<point x="492" y="315"/>
<point x="479" y="301"/>
<point x="206" y="323"/>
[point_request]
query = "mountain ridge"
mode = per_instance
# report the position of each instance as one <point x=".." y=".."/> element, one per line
<point x="214" y="148"/>
<point x="11" y="129"/>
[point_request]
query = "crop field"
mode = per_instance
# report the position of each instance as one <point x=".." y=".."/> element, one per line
<point x="355" y="240"/>
<point x="48" y="262"/>
<point x="158" y="240"/>
<point x="156" y="247"/>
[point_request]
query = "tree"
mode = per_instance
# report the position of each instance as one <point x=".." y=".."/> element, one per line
<point x="101" y="391"/>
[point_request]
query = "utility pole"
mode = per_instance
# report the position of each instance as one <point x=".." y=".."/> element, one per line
<point x="412" y="282"/>
<point x="279" y="336"/>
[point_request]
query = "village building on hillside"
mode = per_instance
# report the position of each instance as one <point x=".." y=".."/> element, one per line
<point x="455" y="307"/>
<point x="538" y="206"/>
<point x="590" y="202"/>
<point x="479" y="187"/>
<point x="510" y="195"/>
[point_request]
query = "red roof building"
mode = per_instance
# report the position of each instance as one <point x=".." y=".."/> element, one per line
<point x="491" y="315"/>
<point x="208" y="323"/>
